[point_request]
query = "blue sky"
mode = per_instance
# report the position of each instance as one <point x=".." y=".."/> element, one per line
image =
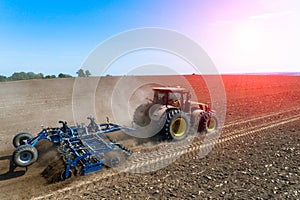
<point x="239" y="35"/>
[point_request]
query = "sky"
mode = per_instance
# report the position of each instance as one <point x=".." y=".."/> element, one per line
<point x="240" y="36"/>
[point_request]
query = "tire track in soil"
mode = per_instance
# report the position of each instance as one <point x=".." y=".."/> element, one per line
<point x="168" y="156"/>
<point x="235" y="122"/>
<point x="249" y="123"/>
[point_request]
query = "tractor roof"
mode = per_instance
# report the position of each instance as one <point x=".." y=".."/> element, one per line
<point x="170" y="89"/>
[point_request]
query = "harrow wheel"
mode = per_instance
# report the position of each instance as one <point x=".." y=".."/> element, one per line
<point x="25" y="155"/>
<point x="177" y="125"/>
<point x="20" y="139"/>
<point x="65" y="175"/>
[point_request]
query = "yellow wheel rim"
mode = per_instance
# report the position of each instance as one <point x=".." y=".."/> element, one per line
<point x="211" y="124"/>
<point x="178" y="127"/>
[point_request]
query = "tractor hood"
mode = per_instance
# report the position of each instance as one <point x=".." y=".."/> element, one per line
<point x="202" y="106"/>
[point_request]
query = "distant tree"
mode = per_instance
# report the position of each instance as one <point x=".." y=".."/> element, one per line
<point x="18" y="76"/>
<point x="25" y="76"/>
<point x="40" y="76"/>
<point x="50" y="76"/>
<point x="87" y="73"/>
<point x="61" y="75"/>
<point x="81" y="73"/>
<point x="3" y="78"/>
<point x="30" y="75"/>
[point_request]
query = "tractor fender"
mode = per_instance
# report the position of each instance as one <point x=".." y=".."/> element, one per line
<point x="158" y="111"/>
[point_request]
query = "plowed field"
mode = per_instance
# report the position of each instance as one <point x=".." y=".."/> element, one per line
<point x="257" y="155"/>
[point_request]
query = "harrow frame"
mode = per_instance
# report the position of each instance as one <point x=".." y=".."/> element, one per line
<point x="84" y="149"/>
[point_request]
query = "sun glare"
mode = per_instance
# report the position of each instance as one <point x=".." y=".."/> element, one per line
<point x="249" y="46"/>
<point x="248" y="39"/>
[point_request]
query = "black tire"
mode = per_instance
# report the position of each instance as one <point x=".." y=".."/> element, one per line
<point x="141" y="114"/>
<point x="177" y="125"/>
<point x="20" y="139"/>
<point x="65" y="176"/>
<point x="202" y="121"/>
<point x="25" y="155"/>
<point x="210" y="123"/>
<point x="196" y="117"/>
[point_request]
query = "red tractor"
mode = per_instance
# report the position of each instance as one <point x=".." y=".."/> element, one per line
<point x="175" y="113"/>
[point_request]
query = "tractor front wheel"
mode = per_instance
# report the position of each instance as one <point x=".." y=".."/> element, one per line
<point x="209" y="123"/>
<point x="25" y="155"/>
<point x="204" y="122"/>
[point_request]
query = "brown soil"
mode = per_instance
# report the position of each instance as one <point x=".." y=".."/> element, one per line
<point x="267" y="167"/>
<point x="53" y="172"/>
<point x="262" y="167"/>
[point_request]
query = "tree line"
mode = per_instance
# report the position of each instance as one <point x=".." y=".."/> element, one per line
<point x="31" y="75"/>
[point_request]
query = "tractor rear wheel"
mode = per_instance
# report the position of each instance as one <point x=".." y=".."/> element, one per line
<point x="141" y="114"/>
<point x="177" y="125"/>
<point x="25" y="155"/>
<point x="20" y="139"/>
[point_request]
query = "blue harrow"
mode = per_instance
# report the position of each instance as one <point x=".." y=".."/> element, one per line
<point x="84" y="148"/>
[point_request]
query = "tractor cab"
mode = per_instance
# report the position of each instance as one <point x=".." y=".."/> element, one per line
<point x="172" y="96"/>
